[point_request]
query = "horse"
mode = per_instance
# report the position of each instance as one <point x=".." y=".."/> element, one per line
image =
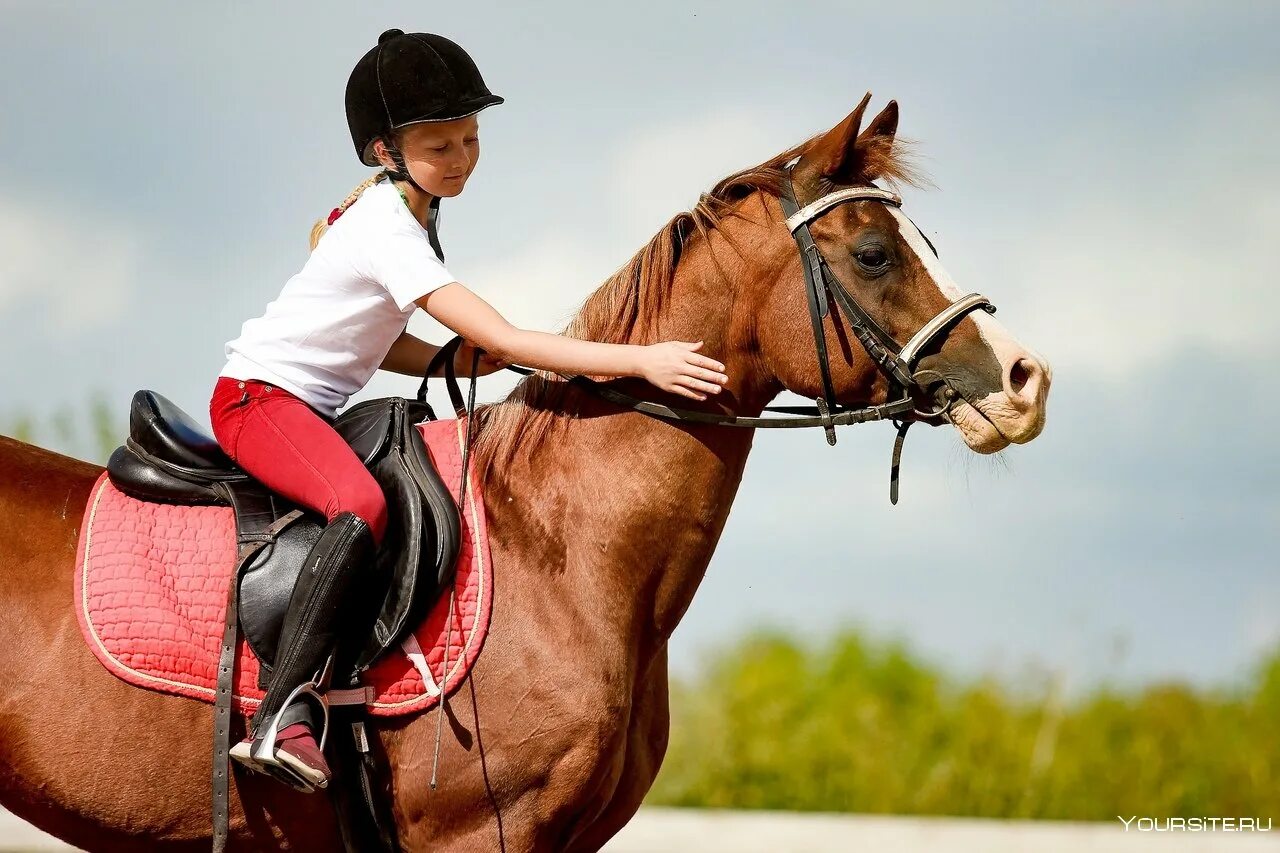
<point x="602" y="522"/>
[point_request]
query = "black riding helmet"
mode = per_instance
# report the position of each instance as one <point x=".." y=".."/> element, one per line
<point x="409" y="78"/>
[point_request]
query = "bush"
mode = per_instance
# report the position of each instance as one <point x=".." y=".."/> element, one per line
<point x="860" y="727"/>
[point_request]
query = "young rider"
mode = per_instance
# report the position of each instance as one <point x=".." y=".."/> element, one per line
<point x="412" y="106"/>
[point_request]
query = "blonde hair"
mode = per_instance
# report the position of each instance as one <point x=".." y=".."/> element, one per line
<point x="322" y="225"/>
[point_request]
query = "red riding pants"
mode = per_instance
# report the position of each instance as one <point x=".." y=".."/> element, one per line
<point x="294" y="451"/>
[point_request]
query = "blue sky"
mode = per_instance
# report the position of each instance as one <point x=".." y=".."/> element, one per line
<point x="1106" y="173"/>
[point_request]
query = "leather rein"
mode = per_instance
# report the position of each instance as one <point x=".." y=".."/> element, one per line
<point x="896" y="362"/>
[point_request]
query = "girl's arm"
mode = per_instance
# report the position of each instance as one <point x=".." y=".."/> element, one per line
<point x="671" y="366"/>
<point x="409" y="355"/>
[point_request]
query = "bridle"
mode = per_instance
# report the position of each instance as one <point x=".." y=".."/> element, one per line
<point x="896" y="362"/>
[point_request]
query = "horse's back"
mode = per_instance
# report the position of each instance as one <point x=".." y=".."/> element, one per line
<point x="32" y="479"/>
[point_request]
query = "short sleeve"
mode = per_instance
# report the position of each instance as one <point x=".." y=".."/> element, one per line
<point x="406" y="265"/>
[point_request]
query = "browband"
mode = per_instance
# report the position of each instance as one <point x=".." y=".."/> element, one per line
<point x="814" y="208"/>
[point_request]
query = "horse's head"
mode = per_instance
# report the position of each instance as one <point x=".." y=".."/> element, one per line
<point x="800" y="241"/>
<point x="996" y="387"/>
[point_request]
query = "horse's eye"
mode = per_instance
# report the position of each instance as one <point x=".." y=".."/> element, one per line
<point x="872" y="257"/>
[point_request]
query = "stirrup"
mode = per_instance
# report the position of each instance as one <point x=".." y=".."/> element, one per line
<point x="263" y="751"/>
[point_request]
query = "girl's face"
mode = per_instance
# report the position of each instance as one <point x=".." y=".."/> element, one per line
<point x="441" y="155"/>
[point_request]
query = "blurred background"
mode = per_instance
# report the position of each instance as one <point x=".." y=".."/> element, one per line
<point x="1082" y="626"/>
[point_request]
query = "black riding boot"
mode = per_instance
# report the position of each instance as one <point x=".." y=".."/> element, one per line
<point x="321" y="611"/>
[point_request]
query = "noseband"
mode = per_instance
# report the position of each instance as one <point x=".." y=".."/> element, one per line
<point x="896" y="362"/>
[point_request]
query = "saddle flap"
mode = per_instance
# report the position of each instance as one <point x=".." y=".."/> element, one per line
<point x="370" y="427"/>
<point x="424" y="526"/>
<point x="266" y="583"/>
<point x="367" y="427"/>
<point x="418" y="555"/>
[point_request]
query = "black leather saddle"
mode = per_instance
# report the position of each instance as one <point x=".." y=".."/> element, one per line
<point x="169" y="458"/>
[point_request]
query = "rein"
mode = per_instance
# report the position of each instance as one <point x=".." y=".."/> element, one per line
<point x="896" y="362"/>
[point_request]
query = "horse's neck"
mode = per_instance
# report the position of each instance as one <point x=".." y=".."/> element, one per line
<point x="621" y="515"/>
<point x="627" y="509"/>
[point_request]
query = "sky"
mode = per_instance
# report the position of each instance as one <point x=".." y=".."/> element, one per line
<point x="1106" y="173"/>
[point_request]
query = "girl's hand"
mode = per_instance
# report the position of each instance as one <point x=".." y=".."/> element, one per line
<point x="462" y="361"/>
<point x="674" y="366"/>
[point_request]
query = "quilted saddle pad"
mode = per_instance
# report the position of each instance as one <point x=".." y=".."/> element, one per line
<point x="151" y="591"/>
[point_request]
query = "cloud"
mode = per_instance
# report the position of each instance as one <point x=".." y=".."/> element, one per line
<point x="664" y="167"/>
<point x="82" y="268"/>
<point x="1114" y="286"/>
<point x="1166" y="242"/>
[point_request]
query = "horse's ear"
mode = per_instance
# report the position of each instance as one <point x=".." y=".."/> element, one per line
<point x="845" y="156"/>
<point x="829" y="154"/>
<point x="883" y="127"/>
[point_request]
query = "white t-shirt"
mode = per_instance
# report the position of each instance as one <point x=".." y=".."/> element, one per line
<point x="333" y="323"/>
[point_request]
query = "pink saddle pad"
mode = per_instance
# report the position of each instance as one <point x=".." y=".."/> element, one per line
<point x="151" y="591"/>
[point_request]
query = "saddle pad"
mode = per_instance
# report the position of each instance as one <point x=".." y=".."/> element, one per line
<point x="151" y="593"/>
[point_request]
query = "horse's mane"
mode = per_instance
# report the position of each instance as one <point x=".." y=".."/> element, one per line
<point x="628" y="303"/>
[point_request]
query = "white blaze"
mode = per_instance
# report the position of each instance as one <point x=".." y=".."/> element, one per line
<point x="1004" y="345"/>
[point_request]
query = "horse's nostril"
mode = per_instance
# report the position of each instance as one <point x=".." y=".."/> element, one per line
<point x="1019" y="375"/>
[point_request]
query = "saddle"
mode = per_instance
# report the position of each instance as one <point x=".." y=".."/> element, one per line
<point x="168" y="457"/>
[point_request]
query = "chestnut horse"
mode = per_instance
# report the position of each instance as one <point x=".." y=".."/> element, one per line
<point x="602" y="521"/>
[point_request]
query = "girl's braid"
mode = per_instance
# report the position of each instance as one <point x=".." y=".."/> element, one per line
<point x="322" y="225"/>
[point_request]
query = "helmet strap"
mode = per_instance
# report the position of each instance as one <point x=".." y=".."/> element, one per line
<point x="433" y="212"/>
<point x="433" y="217"/>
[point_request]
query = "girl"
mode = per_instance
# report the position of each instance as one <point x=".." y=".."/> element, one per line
<point x="412" y="105"/>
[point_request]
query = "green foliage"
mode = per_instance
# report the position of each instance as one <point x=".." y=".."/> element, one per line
<point x="856" y="726"/>
<point x="87" y="432"/>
